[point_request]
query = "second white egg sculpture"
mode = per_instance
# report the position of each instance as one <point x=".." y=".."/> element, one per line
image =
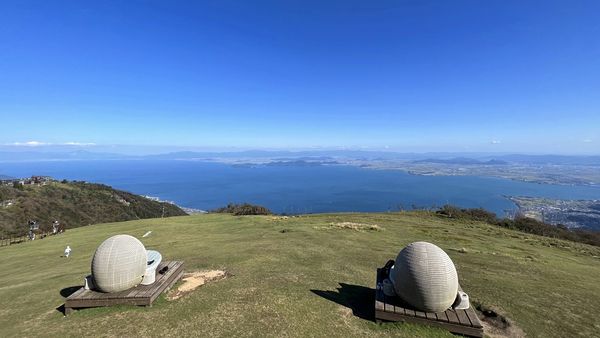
<point x="119" y="263"/>
<point x="425" y="277"/>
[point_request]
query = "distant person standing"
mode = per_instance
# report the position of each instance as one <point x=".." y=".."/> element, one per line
<point x="33" y="226"/>
<point x="67" y="251"/>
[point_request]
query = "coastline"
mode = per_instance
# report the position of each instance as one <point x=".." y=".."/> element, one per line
<point x="189" y="211"/>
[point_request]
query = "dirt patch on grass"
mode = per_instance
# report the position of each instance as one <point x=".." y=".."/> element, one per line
<point x="193" y="280"/>
<point x="351" y="226"/>
<point x="496" y="324"/>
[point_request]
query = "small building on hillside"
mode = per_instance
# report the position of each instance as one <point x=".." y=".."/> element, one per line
<point x="40" y="180"/>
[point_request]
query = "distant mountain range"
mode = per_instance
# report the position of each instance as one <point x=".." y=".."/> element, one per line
<point x="462" y="161"/>
<point x="313" y="155"/>
<point x="284" y="155"/>
<point x="552" y="159"/>
<point x="54" y="156"/>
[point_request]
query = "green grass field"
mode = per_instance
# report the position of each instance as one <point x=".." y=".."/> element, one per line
<point x="301" y="277"/>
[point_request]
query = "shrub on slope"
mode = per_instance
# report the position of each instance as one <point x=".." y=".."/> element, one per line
<point x="521" y="223"/>
<point x="243" y="209"/>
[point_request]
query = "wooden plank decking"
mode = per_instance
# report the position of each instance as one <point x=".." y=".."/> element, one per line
<point x="463" y="322"/>
<point x="167" y="274"/>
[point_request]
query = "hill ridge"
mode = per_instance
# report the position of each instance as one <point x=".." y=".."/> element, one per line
<point x="74" y="204"/>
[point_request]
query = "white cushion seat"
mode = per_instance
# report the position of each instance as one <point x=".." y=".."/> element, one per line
<point x="154" y="259"/>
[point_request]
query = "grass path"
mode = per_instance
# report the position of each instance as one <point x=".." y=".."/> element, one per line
<point x="301" y="276"/>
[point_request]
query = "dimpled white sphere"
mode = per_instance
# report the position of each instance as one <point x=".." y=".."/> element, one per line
<point x="119" y="263"/>
<point x="425" y="277"/>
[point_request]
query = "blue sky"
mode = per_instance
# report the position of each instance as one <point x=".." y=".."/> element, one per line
<point x="488" y="76"/>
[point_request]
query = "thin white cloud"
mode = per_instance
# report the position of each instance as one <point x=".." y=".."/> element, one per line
<point x="495" y="141"/>
<point x="81" y="144"/>
<point x="29" y="144"/>
<point x="587" y="140"/>
<point x="40" y="144"/>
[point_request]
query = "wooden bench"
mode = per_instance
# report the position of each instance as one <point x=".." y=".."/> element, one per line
<point x="167" y="274"/>
<point x="393" y="309"/>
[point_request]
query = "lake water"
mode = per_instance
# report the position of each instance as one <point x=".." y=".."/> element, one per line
<point x="301" y="189"/>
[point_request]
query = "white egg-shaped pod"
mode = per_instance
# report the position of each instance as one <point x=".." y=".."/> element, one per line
<point x="119" y="263"/>
<point x="425" y="277"/>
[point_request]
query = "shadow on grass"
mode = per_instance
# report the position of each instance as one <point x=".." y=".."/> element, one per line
<point x="360" y="299"/>
<point x="61" y="309"/>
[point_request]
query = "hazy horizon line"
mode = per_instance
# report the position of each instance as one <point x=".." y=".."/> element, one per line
<point x="140" y="149"/>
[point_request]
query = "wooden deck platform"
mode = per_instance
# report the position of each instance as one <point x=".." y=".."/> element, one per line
<point x="463" y="322"/>
<point x="167" y="274"/>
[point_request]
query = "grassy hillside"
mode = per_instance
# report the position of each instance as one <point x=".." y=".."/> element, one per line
<point x="73" y="204"/>
<point x="302" y="276"/>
